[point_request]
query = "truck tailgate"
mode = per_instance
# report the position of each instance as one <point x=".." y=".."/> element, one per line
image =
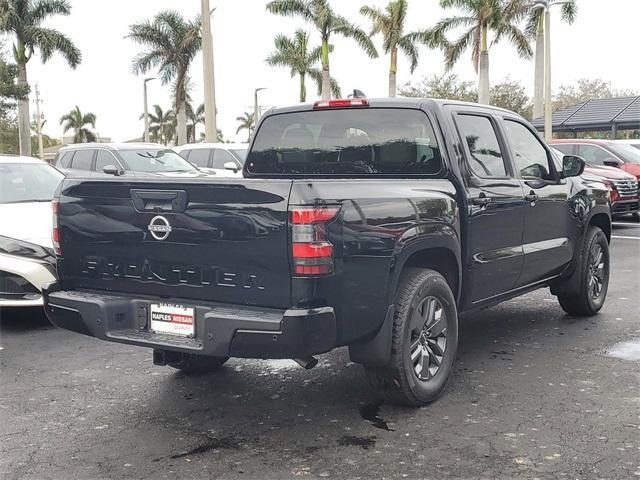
<point x="222" y="242"/>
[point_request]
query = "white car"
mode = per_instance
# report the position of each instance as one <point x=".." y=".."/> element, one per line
<point x="27" y="260"/>
<point x="222" y="159"/>
<point x="634" y="142"/>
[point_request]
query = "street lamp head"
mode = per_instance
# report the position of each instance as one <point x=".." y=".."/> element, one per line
<point x="544" y="4"/>
<point x="259" y="89"/>
<point x="148" y="79"/>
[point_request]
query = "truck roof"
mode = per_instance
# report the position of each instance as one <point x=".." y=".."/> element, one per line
<point x="398" y="102"/>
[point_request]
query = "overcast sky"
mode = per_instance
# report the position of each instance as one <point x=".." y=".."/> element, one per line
<point x="604" y="42"/>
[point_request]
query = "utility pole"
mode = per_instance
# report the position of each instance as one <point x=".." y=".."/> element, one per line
<point x="256" y="107"/>
<point x="39" y="124"/>
<point x="146" y="138"/>
<point x="210" y="125"/>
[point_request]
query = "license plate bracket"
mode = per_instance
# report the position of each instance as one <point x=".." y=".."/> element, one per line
<point x="172" y="319"/>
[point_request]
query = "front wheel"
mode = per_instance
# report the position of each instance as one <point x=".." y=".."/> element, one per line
<point x="593" y="271"/>
<point x="424" y="341"/>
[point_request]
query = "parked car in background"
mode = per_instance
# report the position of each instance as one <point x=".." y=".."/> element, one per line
<point x="27" y="261"/>
<point x="223" y="159"/>
<point x="614" y="164"/>
<point x="134" y="159"/>
<point x="634" y="142"/>
<point x="609" y="153"/>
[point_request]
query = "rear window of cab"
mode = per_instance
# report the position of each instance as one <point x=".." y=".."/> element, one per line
<point x="346" y="142"/>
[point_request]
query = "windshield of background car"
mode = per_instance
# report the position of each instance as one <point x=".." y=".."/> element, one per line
<point x="150" y="161"/>
<point x="240" y="154"/>
<point x="626" y="152"/>
<point x="25" y="182"/>
<point x="346" y="142"/>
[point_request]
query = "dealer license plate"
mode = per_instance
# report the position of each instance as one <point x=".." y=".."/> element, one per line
<point x="172" y="319"/>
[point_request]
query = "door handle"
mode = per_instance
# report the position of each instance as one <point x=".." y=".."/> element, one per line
<point x="532" y="197"/>
<point x="481" y="201"/>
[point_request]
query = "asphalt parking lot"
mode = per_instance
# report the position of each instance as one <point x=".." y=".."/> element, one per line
<point x="536" y="394"/>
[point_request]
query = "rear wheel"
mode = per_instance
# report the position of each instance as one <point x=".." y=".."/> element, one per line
<point x="424" y="341"/>
<point x="194" y="364"/>
<point x="593" y="271"/>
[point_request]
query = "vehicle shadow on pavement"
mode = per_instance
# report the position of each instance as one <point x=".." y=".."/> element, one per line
<point x="249" y="404"/>
<point x="23" y="319"/>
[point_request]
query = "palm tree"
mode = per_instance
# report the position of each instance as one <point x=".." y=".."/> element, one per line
<point x="294" y="53"/>
<point x="535" y="27"/>
<point x="479" y="17"/>
<point x="327" y="22"/>
<point x="173" y="43"/>
<point x="246" y="123"/>
<point x="390" y="24"/>
<point x="159" y="123"/>
<point x="194" y="118"/>
<point x="23" y="18"/>
<point x="78" y="122"/>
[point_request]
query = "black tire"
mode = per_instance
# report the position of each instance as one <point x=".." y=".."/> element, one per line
<point x="399" y="382"/>
<point x="196" y="364"/>
<point x="590" y="298"/>
<point x="635" y="216"/>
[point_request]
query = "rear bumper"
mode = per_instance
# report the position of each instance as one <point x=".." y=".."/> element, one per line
<point x="221" y="329"/>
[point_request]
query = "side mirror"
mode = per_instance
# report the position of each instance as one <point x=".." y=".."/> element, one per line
<point x="611" y="162"/>
<point x="231" y="166"/>
<point x="112" y="170"/>
<point x="572" y="166"/>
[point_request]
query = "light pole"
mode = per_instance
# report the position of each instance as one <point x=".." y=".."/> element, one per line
<point x="146" y="109"/>
<point x="256" y="107"/>
<point x="210" y="125"/>
<point x="39" y="123"/>
<point x="548" y="109"/>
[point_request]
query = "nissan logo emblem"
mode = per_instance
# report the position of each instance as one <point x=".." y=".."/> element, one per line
<point x="159" y="228"/>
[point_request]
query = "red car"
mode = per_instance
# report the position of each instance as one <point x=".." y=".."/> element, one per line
<point x="616" y="164"/>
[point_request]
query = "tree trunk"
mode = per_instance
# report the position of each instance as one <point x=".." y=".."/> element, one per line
<point x="181" y="129"/>
<point x="303" y="89"/>
<point x="538" y="84"/>
<point x="483" y="71"/>
<point x="393" y="68"/>
<point x="24" y="126"/>
<point x="326" y="76"/>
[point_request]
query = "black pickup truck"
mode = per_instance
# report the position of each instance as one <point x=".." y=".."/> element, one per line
<point x="367" y="223"/>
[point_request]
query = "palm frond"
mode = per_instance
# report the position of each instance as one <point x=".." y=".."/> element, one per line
<point x="409" y="49"/>
<point x="42" y="9"/>
<point x="291" y="8"/>
<point x="50" y="41"/>
<point x="343" y="27"/>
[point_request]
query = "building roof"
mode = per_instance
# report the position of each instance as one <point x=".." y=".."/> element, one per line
<point x="596" y="114"/>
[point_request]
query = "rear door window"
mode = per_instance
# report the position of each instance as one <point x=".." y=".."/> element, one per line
<point x="65" y="160"/>
<point x="346" y="142"/>
<point x="485" y="156"/>
<point x="200" y="157"/>
<point x="82" y="160"/>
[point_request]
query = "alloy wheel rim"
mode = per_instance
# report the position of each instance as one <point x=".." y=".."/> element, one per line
<point x="428" y="338"/>
<point x="596" y="271"/>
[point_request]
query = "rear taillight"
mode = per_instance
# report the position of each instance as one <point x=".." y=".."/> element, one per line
<point x="55" y="232"/>
<point x="312" y="252"/>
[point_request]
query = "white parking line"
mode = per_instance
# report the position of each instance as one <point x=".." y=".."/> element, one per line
<point x="625" y="238"/>
<point x="622" y="224"/>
